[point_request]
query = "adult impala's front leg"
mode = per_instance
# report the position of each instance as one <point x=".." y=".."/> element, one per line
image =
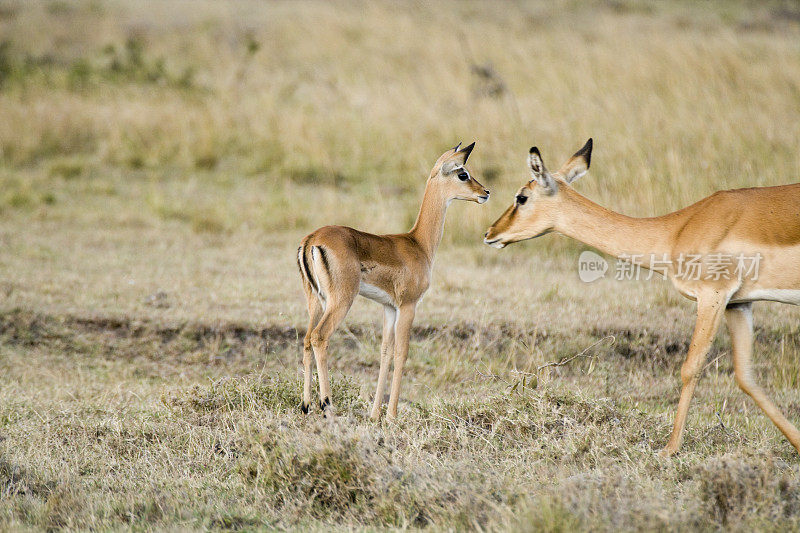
<point x="387" y="348"/>
<point x="710" y="308"/>
<point x="405" y="318"/>
<point x="740" y="325"/>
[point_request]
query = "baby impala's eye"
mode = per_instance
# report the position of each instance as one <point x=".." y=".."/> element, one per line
<point x="521" y="199"/>
<point x="463" y="176"/>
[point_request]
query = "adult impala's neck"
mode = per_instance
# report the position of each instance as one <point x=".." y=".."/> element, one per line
<point x="428" y="228"/>
<point x="612" y="232"/>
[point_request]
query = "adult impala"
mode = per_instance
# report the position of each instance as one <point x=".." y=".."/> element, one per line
<point x="761" y="225"/>
<point x="338" y="263"/>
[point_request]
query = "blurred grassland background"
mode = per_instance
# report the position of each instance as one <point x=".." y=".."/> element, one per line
<point x="160" y="160"/>
<point x="285" y="116"/>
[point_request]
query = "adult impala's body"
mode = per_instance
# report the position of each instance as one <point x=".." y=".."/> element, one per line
<point x="339" y="263"/>
<point x="746" y="243"/>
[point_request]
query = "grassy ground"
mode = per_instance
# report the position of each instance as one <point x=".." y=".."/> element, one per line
<point x="160" y="161"/>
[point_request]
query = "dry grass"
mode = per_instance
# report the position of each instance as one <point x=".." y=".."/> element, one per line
<point x="160" y="161"/>
<point x="108" y="423"/>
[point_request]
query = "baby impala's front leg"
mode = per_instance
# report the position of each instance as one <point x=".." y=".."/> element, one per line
<point x="402" y="332"/>
<point x="387" y="348"/>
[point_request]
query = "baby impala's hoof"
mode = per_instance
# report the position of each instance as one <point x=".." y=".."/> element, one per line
<point x="326" y="408"/>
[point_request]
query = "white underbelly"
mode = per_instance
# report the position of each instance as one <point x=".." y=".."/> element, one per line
<point x="374" y="293"/>
<point x="787" y="296"/>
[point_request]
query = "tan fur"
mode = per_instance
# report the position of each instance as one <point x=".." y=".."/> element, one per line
<point x="762" y="220"/>
<point x="394" y="270"/>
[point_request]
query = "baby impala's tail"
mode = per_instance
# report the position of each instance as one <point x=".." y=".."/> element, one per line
<point x="312" y="261"/>
<point x="303" y="264"/>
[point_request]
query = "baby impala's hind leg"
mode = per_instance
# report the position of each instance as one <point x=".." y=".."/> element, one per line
<point x="314" y="315"/>
<point x="338" y="281"/>
<point x="335" y="311"/>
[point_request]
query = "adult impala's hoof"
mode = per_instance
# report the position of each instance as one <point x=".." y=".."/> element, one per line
<point x="666" y="452"/>
<point x="304" y="408"/>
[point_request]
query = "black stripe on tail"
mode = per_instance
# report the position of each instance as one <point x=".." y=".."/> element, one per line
<point x="324" y="256"/>
<point x="302" y="252"/>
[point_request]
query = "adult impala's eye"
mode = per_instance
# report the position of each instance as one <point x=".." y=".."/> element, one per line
<point x="463" y="176"/>
<point x="521" y="199"/>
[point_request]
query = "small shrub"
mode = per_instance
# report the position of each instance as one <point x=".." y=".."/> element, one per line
<point x="135" y="162"/>
<point x="548" y="514"/>
<point x="19" y="199"/>
<point x="6" y="65"/>
<point x="67" y="169"/>
<point x="733" y="490"/>
<point x="332" y="479"/>
<point x="206" y="161"/>
<point x="16" y="480"/>
<point x="207" y="223"/>
<point x="346" y="477"/>
<point x="273" y="392"/>
<point x="130" y="63"/>
<point x="79" y="74"/>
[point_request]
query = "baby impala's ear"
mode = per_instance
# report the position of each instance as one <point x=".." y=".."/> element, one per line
<point x="578" y="164"/>
<point x="457" y="158"/>
<point x="463" y="154"/>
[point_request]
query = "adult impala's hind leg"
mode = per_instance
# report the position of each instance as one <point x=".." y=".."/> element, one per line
<point x="314" y="315"/>
<point x="387" y="348"/>
<point x="740" y="325"/>
<point x="710" y="309"/>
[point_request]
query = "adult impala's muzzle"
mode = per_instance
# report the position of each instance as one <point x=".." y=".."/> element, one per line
<point x="494" y="242"/>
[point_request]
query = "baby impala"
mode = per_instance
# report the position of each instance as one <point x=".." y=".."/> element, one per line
<point x="725" y="252"/>
<point x="339" y="263"/>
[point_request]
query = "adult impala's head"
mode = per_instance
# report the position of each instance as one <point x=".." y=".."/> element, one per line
<point x="452" y="179"/>
<point x="538" y="203"/>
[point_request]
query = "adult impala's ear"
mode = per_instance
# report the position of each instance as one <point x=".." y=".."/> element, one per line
<point x="578" y="164"/>
<point x="539" y="171"/>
